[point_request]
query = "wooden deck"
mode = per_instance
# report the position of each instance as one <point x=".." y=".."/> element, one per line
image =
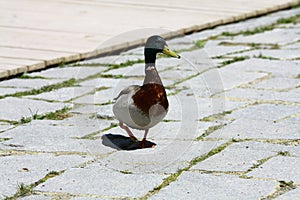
<point x="35" y="34"/>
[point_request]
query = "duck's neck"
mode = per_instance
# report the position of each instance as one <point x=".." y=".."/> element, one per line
<point x="151" y="74"/>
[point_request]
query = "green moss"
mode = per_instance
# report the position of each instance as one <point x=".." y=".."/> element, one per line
<point x="298" y="76"/>
<point x="284" y="153"/>
<point x="200" y="43"/>
<point x="261" y="56"/>
<point x="173" y="177"/>
<point x="233" y="60"/>
<point x="209" y="131"/>
<point x="293" y="19"/>
<point x="25" y="190"/>
<point x="214" y="117"/>
<point x="282" y="188"/>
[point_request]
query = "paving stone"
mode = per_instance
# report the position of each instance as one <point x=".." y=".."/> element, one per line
<point x="269" y="54"/>
<point x="264" y="146"/>
<point x="36" y="197"/>
<point x="279" y="168"/>
<point x="99" y="97"/>
<point x="100" y="111"/>
<point x="213" y="49"/>
<point x="278" y="83"/>
<point x="63" y="94"/>
<point x="257" y="94"/>
<point x="29" y="83"/>
<point x="69" y="72"/>
<point x="56" y="136"/>
<point x="294" y="46"/>
<point x="16" y="108"/>
<point x="233" y="159"/>
<point x="240" y="77"/>
<point x="8" y="91"/>
<point x="5" y="126"/>
<point x="166" y="157"/>
<point x="99" y="180"/>
<point x="257" y="128"/>
<point x="276" y="67"/>
<point x="117" y="84"/>
<point x="28" y="169"/>
<point x="209" y="186"/>
<point x="113" y="59"/>
<point x="88" y="198"/>
<point x="293" y="194"/>
<point x="276" y="36"/>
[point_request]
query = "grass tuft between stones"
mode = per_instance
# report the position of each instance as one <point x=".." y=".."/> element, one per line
<point x="173" y="177"/>
<point x="26" y="190"/>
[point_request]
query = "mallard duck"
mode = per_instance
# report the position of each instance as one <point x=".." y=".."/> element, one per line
<point x="142" y="107"/>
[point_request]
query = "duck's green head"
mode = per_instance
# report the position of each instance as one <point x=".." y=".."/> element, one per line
<point x="156" y="44"/>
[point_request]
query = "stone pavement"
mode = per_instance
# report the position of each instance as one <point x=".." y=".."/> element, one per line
<point x="38" y="34"/>
<point x="232" y="131"/>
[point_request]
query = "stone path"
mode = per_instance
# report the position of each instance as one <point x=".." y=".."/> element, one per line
<point x="232" y="131"/>
<point x="37" y="34"/>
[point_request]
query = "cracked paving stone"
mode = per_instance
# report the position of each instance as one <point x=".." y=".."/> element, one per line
<point x="279" y="168"/>
<point x="293" y="194"/>
<point x="63" y="94"/>
<point x="96" y="179"/>
<point x="168" y="156"/>
<point x="278" y="83"/>
<point x="16" y="108"/>
<point x="233" y="159"/>
<point x="27" y="169"/>
<point x="69" y="72"/>
<point x="29" y="83"/>
<point x="191" y="185"/>
<point x="9" y="91"/>
<point x="56" y="136"/>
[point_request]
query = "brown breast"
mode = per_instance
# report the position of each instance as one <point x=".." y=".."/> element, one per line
<point x="149" y="95"/>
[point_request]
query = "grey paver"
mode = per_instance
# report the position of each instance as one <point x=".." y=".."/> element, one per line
<point x="30" y="168"/>
<point x="8" y="91"/>
<point x="276" y="36"/>
<point x="260" y="128"/>
<point x="283" y="54"/>
<point x="41" y="135"/>
<point x="86" y="181"/>
<point x="63" y="94"/>
<point x="29" y="83"/>
<point x="69" y="72"/>
<point x="36" y="197"/>
<point x="4" y="126"/>
<point x="191" y="185"/>
<point x="233" y="159"/>
<point x="99" y="97"/>
<point x="294" y="194"/>
<point x="278" y="83"/>
<point x="167" y="157"/>
<point x="284" y="170"/>
<point x="16" y="108"/>
<point x="113" y="59"/>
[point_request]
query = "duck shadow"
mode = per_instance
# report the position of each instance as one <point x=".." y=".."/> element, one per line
<point x="121" y="142"/>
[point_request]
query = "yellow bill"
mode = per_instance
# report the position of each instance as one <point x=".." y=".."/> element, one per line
<point x="169" y="52"/>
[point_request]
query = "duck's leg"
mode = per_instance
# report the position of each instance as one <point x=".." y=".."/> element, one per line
<point x="128" y="131"/>
<point x="144" y="139"/>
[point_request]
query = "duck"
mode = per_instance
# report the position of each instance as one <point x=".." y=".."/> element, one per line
<point x="143" y="107"/>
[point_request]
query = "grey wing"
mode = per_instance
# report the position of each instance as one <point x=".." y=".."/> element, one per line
<point x="128" y="90"/>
